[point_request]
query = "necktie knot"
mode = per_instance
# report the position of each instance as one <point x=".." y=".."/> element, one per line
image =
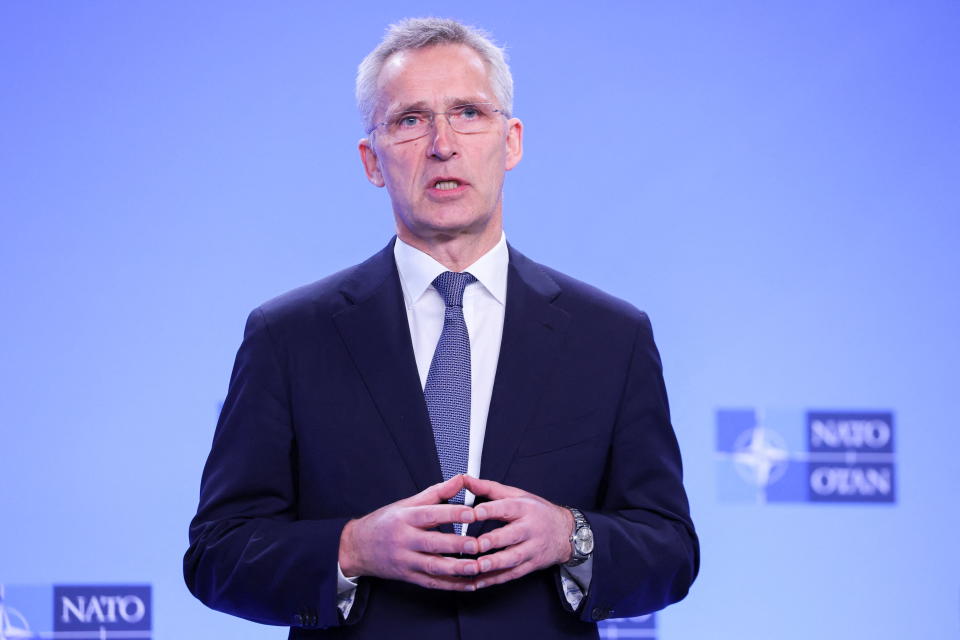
<point x="451" y="284"/>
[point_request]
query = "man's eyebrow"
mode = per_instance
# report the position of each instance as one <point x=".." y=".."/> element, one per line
<point x="454" y="102"/>
<point x="421" y="105"/>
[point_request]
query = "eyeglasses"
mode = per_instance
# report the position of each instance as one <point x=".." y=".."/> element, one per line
<point x="411" y="124"/>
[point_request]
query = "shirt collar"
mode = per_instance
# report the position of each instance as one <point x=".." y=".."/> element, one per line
<point x="418" y="270"/>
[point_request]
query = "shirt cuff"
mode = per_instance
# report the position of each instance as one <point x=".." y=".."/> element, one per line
<point x="346" y="591"/>
<point x="576" y="582"/>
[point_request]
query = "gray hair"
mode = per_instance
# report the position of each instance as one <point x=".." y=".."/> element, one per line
<point x="416" y="33"/>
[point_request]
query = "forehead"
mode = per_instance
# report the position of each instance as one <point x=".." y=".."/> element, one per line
<point x="438" y="76"/>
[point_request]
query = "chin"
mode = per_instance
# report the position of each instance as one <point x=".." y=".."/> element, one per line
<point x="453" y="224"/>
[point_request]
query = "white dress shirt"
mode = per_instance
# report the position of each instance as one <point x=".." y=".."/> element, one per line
<point x="484" y="303"/>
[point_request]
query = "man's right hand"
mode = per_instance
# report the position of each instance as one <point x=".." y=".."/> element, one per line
<point x="395" y="542"/>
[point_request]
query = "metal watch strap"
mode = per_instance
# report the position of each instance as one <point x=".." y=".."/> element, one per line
<point x="579" y="522"/>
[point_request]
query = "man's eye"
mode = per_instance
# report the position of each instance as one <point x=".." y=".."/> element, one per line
<point x="469" y="112"/>
<point x="409" y="120"/>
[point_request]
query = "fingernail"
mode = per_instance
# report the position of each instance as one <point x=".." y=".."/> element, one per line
<point x="484" y="565"/>
<point x="481" y="513"/>
<point x="466" y="516"/>
<point x="484" y="545"/>
<point x="471" y="570"/>
<point x="470" y="547"/>
<point x="481" y="584"/>
<point x="469" y="587"/>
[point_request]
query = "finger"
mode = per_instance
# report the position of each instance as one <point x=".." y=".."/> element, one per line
<point x="513" y="533"/>
<point x="506" y="509"/>
<point x="442" y="566"/>
<point x="491" y="489"/>
<point x="507" y="558"/>
<point x="505" y="575"/>
<point x="437" y="493"/>
<point x="443" y="583"/>
<point x="431" y="515"/>
<point x="435" y="542"/>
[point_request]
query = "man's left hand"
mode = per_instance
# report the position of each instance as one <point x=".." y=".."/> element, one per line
<point x="537" y="533"/>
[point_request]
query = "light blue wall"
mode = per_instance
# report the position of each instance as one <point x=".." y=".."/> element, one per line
<point x="775" y="183"/>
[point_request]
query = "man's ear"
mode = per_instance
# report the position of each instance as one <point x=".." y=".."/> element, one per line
<point x="514" y="143"/>
<point x="371" y="165"/>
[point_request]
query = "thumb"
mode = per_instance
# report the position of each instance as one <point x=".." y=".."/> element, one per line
<point x="490" y="489"/>
<point x="437" y="493"/>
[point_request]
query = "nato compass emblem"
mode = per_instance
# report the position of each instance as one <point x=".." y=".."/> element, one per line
<point x="812" y="456"/>
<point x="12" y="623"/>
<point x="760" y="456"/>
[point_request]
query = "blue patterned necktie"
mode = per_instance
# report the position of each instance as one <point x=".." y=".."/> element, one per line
<point x="447" y="391"/>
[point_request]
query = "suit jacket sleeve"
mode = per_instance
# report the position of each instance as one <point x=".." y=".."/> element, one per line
<point x="249" y="553"/>
<point x="647" y="553"/>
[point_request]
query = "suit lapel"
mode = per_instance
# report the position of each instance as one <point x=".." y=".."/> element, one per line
<point x="533" y="332"/>
<point x="377" y="335"/>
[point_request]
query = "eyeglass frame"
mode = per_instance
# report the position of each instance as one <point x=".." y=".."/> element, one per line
<point x="433" y="115"/>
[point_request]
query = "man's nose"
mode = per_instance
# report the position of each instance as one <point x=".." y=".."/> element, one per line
<point x="443" y="140"/>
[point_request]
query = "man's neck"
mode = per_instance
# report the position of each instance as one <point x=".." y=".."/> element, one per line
<point x="457" y="252"/>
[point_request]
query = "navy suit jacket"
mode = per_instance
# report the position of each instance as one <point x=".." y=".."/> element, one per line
<point x="325" y="421"/>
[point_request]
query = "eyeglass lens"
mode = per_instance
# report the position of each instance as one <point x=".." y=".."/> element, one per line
<point x="467" y="118"/>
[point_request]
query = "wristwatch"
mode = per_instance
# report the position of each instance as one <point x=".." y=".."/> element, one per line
<point x="581" y="540"/>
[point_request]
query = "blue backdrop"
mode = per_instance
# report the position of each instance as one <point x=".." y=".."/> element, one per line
<point x="775" y="183"/>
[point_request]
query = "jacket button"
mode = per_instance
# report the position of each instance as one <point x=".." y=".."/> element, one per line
<point x="600" y="613"/>
<point x="297" y="620"/>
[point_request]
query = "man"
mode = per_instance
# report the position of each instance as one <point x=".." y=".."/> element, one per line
<point x="448" y="440"/>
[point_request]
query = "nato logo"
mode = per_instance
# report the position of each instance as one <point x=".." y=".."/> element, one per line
<point x="813" y="456"/>
<point x="102" y="612"/>
<point x="639" y="627"/>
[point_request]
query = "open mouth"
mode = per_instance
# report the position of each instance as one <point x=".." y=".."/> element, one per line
<point x="446" y="185"/>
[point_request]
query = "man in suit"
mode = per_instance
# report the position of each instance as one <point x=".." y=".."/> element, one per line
<point x="447" y="440"/>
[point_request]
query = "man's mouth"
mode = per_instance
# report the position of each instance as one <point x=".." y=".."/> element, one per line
<point x="446" y="185"/>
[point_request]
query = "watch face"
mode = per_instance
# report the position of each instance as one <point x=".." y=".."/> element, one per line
<point x="584" y="541"/>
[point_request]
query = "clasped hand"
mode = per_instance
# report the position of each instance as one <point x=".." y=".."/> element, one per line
<point x="396" y="541"/>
